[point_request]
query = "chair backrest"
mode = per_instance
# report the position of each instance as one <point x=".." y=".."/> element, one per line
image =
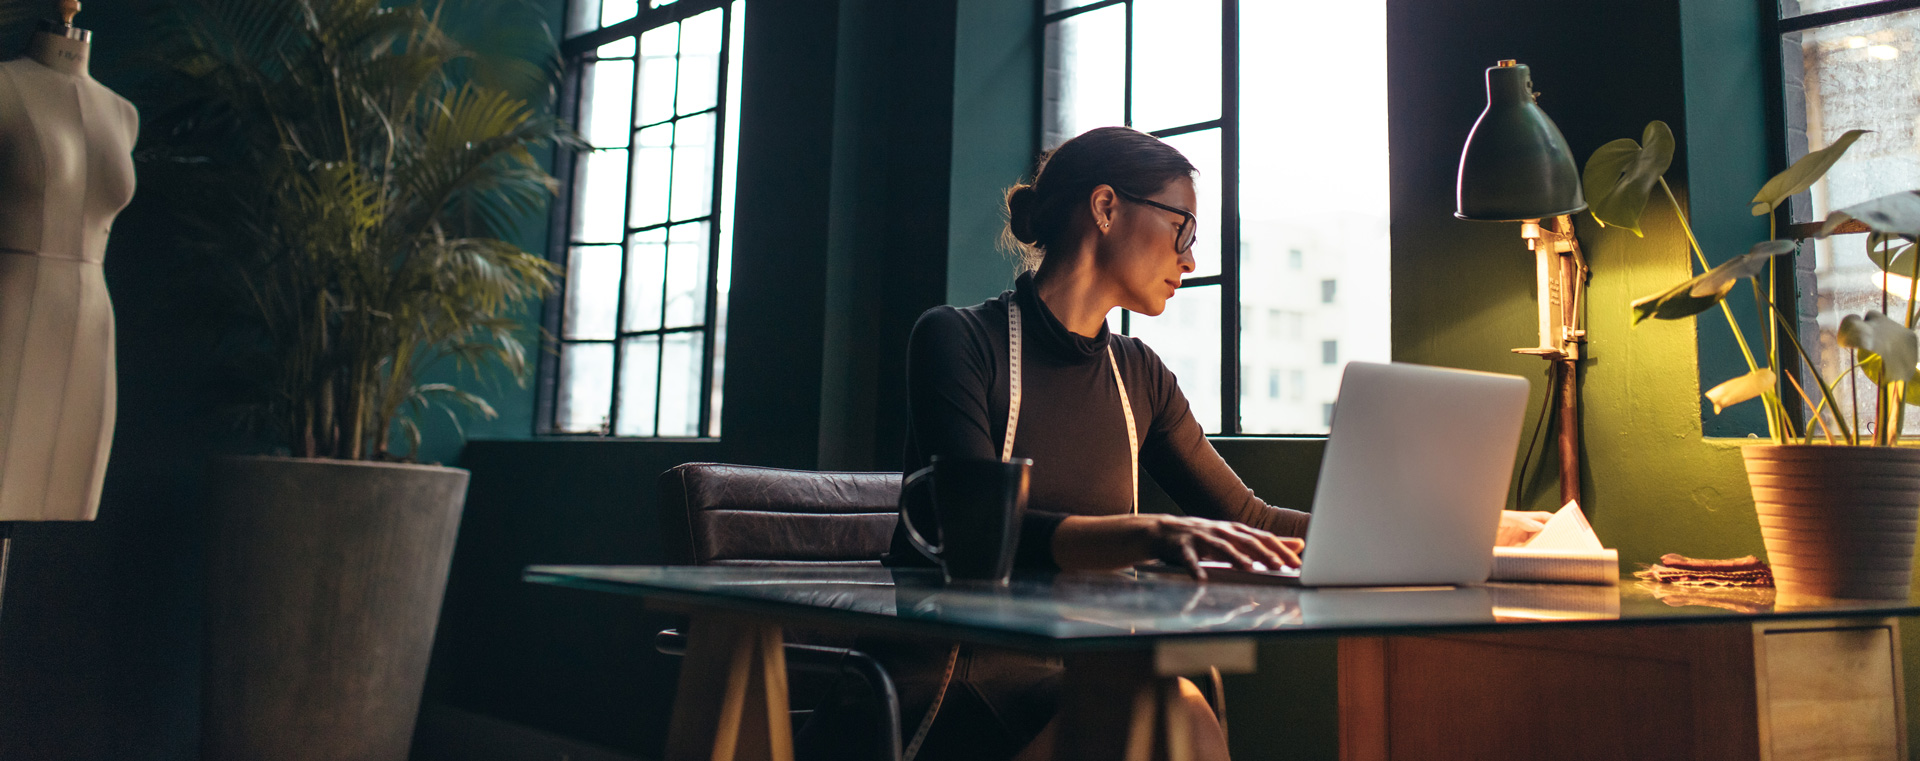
<point x="715" y="514"/>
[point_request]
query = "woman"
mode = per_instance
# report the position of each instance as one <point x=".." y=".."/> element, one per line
<point x="1108" y="221"/>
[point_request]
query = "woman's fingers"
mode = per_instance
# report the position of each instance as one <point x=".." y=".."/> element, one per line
<point x="1275" y="549"/>
<point x="1224" y="547"/>
<point x="1518" y="527"/>
<point x="1260" y="545"/>
<point x="1191" y="540"/>
<point x="1290" y="548"/>
<point x="1193" y="561"/>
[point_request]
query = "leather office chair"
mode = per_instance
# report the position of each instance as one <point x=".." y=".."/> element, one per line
<point x="738" y="515"/>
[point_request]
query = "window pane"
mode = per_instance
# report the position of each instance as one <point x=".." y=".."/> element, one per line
<point x="1176" y="62"/>
<point x="680" y="370"/>
<point x="657" y="74"/>
<point x="693" y="167"/>
<point x="646" y="270"/>
<point x="1186" y="338"/>
<point x="1203" y="149"/>
<point x="1085" y="82"/>
<point x="606" y="103"/>
<point x="586" y="388"/>
<point x="639" y="374"/>
<point x="687" y="275"/>
<point x="1315" y="253"/>
<point x="652" y="168"/>
<point x="615" y="11"/>
<point x="593" y="277"/>
<point x="1858" y="75"/>
<point x="620" y="48"/>
<point x="599" y="208"/>
<point x="699" y="63"/>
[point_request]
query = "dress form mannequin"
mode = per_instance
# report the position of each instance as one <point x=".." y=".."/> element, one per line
<point x="66" y="169"/>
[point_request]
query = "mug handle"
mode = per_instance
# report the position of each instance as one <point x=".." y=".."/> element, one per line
<point x="920" y="542"/>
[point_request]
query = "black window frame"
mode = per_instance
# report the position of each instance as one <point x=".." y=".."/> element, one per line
<point x="576" y="52"/>
<point x="1786" y="130"/>
<point x="1228" y="123"/>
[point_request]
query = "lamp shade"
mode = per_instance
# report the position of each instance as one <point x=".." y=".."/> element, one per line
<point x="1516" y="164"/>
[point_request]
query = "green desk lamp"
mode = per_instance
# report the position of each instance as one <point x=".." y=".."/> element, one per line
<point x="1516" y="167"/>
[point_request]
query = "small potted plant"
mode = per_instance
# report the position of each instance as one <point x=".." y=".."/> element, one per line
<point x="1837" y="504"/>
<point x="354" y="170"/>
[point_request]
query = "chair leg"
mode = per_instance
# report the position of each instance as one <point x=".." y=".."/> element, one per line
<point x="732" y="699"/>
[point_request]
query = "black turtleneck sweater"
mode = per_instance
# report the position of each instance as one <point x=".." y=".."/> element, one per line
<point x="1070" y="422"/>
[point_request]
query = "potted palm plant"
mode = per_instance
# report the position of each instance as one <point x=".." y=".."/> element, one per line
<point x="1837" y="501"/>
<point x="355" y="170"/>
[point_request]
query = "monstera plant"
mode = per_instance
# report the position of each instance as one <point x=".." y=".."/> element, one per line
<point x="1830" y="514"/>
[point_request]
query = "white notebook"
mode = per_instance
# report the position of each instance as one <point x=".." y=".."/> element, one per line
<point x="1565" y="550"/>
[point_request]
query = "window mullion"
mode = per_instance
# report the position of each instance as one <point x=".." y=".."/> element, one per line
<point x="1230" y="216"/>
<point x="1126" y="88"/>
<point x="666" y="262"/>
<point x="626" y="237"/>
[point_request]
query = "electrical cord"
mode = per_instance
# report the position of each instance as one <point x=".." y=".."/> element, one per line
<point x="939" y="696"/>
<point x="1539" y="428"/>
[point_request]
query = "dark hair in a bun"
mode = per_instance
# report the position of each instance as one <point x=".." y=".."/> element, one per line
<point x="1040" y="214"/>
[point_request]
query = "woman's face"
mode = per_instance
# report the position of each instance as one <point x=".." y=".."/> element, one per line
<point x="1137" y="250"/>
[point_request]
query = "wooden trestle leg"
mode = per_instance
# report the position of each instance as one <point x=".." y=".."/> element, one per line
<point x="732" y="700"/>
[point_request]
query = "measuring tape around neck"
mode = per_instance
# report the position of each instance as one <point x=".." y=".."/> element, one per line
<point x="1013" y="402"/>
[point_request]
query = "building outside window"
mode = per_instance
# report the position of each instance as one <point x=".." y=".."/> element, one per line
<point x="1215" y="78"/>
<point x="1845" y="67"/>
<point x="647" y="215"/>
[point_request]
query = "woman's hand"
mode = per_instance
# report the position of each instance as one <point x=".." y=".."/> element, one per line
<point x="1085" y="542"/>
<point x="1185" y="541"/>
<point x="1518" y="527"/>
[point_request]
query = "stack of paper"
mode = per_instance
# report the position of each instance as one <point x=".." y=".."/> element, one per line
<point x="1565" y="550"/>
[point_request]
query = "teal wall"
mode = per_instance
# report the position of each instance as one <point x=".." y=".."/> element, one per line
<point x="995" y="140"/>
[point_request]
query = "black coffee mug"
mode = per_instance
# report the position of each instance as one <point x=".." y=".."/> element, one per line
<point x="977" y="506"/>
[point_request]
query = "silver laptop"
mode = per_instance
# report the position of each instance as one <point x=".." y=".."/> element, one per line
<point x="1413" y="480"/>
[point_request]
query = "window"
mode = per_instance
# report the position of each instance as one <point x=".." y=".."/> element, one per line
<point x="1328" y="289"/>
<point x="1200" y="74"/>
<point x="1273" y="383"/>
<point x="641" y="330"/>
<point x="1329" y="352"/>
<point x="1844" y="67"/>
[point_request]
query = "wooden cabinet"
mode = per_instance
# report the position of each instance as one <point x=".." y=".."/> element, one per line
<point x="1776" y="691"/>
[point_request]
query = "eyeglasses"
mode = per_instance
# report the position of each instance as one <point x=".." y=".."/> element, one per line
<point x="1189" y="226"/>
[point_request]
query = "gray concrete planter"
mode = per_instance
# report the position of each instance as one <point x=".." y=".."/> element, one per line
<point x="324" y="582"/>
